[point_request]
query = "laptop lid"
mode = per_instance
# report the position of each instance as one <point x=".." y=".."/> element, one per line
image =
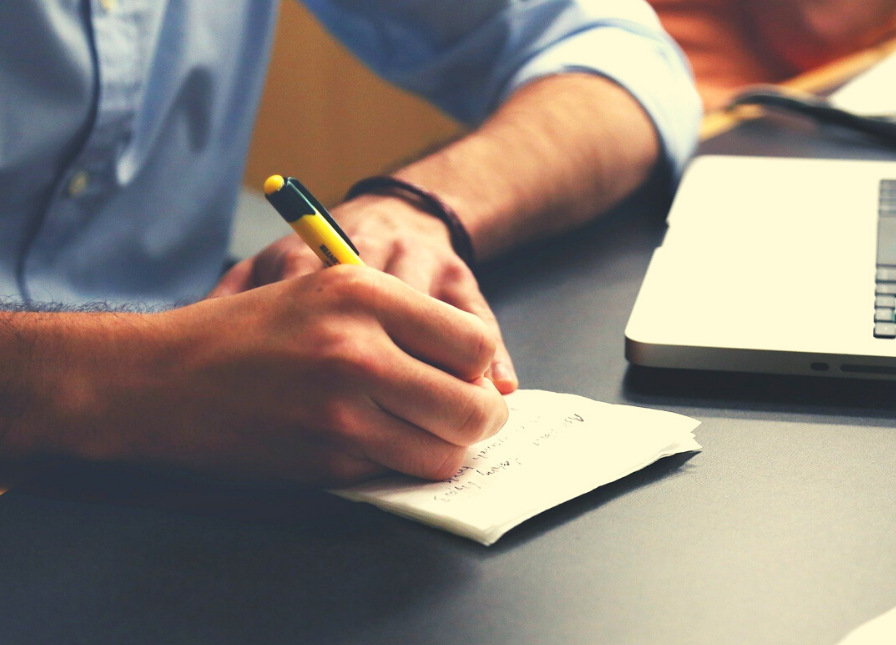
<point x="772" y="265"/>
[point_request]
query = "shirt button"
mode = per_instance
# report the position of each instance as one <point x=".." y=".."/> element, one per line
<point x="109" y="5"/>
<point x="78" y="183"/>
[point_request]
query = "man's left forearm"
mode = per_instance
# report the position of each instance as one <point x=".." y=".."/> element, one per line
<point x="560" y="151"/>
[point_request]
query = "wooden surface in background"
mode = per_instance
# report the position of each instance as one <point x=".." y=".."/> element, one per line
<point x="814" y="81"/>
<point x="327" y="120"/>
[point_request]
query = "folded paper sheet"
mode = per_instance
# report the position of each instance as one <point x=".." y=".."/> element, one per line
<point x="878" y="631"/>
<point x="553" y="448"/>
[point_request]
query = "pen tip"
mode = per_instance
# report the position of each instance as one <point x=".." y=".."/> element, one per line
<point x="273" y="183"/>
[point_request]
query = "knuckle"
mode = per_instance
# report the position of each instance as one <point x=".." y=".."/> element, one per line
<point x="347" y="357"/>
<point x="353" y="285"/>
<point x="366" y="365"/>
<point x="330" y="467"/>
<point x="446" y="465"/>
<point x="402" y="246"/>
<point x="334" y="278"/>
<point x="485" y="419"/>
<point x="456" y="271"/>
<point x="337" y="419"/>
<point x="330" y="345"/>
<point x="369" y="244"/>
<point x="296" y="261"/>
<point x="342" y="470"/>
<point x="477" y="422"/>
<point x="240" y="268"/>
<point x="347" y="289"/>
<point x="484" y="341"/>
<point x="501" y="416"/>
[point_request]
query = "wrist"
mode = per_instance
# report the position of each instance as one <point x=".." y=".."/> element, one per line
<point x="365" y="212"/>
<point x="424" y="201"/>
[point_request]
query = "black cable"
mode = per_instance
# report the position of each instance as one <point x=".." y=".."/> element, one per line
<point x="880" y="128"/>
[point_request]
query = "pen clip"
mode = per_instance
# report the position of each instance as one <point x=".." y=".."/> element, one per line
<point x="316" y="205"/>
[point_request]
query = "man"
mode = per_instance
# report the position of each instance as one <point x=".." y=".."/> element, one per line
<point x="123" y="135"/>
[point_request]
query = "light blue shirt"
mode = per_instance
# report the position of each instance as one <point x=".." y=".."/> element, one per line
<point x="124" y="124"/>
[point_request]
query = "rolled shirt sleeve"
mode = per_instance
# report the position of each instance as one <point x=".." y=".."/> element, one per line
<point x="467" y="56"/>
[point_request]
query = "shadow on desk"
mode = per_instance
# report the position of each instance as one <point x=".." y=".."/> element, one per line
<point x="666" y="468"/>
<point x="760" y="392"/>
<point x="166" y="559"/>
<point x="246" y="563"/>
<point x="310" y="512"/>
<point x="306" y="515"/>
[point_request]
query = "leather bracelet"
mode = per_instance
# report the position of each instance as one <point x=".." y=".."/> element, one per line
<point x="425" y="201"/>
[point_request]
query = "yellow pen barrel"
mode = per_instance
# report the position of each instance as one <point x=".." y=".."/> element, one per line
<point x="324" y="241"/>
<point x="310" y="220"/>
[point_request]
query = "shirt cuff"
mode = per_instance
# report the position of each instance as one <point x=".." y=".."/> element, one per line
<point x="648" y="65"/>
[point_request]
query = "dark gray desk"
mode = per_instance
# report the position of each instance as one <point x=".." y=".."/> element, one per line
<point x="783" y="530"/>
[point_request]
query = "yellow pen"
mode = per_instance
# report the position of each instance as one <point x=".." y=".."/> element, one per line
<point x="310" y="220"/>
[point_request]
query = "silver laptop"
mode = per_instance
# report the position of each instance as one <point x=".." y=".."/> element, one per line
<point x="774" y="265"/>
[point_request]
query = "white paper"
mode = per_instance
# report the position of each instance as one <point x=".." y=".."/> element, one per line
<point x="872" y="93"/>
<point x="878" y="631"/>
<point x="553" y="448"/>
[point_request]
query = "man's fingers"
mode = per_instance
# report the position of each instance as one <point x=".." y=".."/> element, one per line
<point x="459" y="412"/>
<point x="433" y="331"/>
<point x="415" y="270"/>
<point x="501" y="371"/>
<point x="330" y="467"/>
<point x="236" y="280"/>
<point x="456" y="286"/>
<point x="286" y="258"/>
<point x="463" y="292"/>
<point x="374" y="251"/>
<point x="386" y="439"/>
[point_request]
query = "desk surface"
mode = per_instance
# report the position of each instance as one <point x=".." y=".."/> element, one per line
<point x="783" y="530"/>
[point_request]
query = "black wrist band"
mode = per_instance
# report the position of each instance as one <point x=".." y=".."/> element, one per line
<point x="425" y="201"/>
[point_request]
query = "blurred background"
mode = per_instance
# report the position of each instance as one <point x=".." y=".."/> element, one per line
<point x="327" y="120"/>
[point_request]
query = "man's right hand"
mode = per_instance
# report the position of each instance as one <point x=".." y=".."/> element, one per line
<point x="326" y="379"/>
